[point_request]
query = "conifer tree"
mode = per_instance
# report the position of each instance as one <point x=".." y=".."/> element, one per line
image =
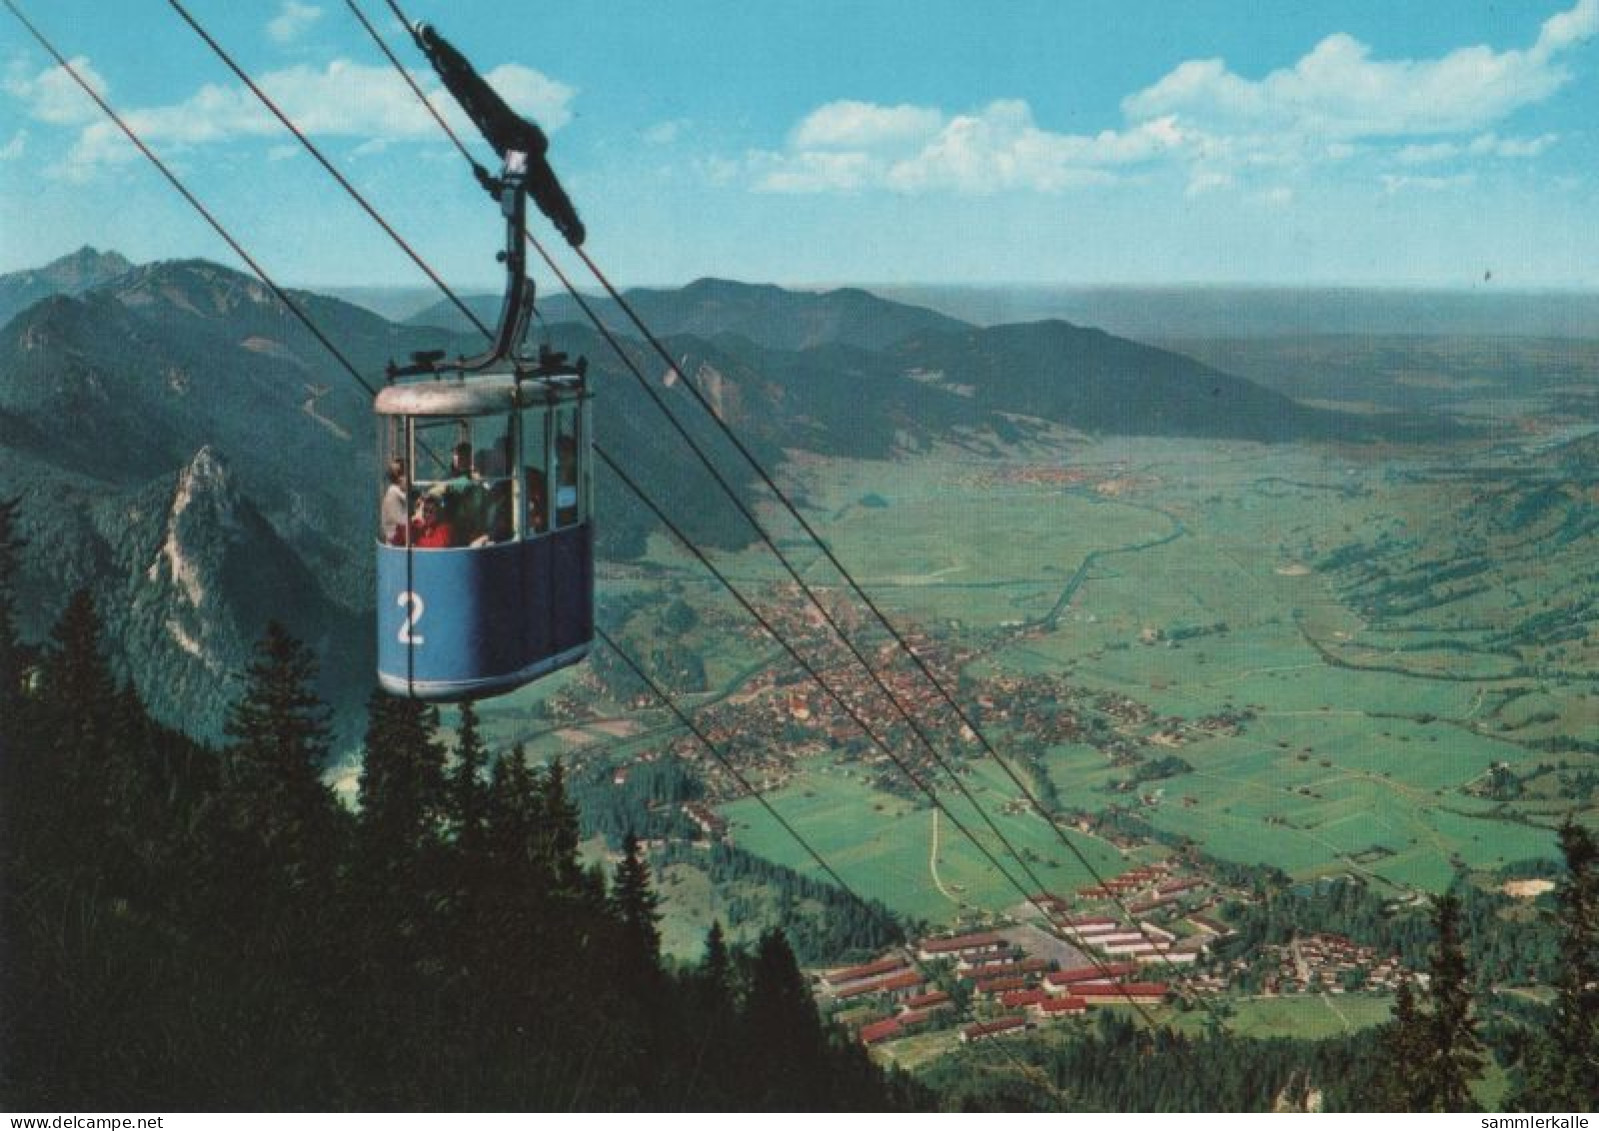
<point x="1402" y="1042"/>
<point x="11" y="663"/>
<point x="468" y="791"/>
<point x="1563" y="1066"/>
<point x="73" y="770"/>
<point x="716" y="967"/>
<point x="559" y="832"/>
<point x="1453" y="1052"/>
<point x="513" y="805"/>
<point x="637" y="907"/>
<point x="79" y="690"/>
<point x="784" y="1036"/>
<point x="280" y="817"/>
<point x="402" y="784"/>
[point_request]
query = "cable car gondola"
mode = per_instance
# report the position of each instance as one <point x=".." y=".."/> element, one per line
<point x="485" y="555"/>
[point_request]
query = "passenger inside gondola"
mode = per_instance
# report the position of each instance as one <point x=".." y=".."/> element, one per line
<point x="432" y="527"/>
<point x="538" y="503"/>
<point x="566" y="481"/>
<point x="391" y="523"/>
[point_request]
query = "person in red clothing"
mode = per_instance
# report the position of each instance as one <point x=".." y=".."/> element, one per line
<point x="431" y="528"/>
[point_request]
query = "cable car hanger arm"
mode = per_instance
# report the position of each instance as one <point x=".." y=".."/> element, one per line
<point x="504" y="129"/>
<point x="522" y="146"/>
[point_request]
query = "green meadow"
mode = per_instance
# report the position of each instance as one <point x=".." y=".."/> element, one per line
<point x="883" y="845"/>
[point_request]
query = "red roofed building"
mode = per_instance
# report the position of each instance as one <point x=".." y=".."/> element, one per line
<point x="1062" y="1006"/>
<point x="1021" y="999"/>
<point x="1214" y="926"/>
<point x="986" y="965"/>
<point x="1141" y="993"/>
<point x="1092" y="973"/>
<point x="1013" y="964"/>
<point x="900" y="983"/>
<point x="993" y="1028"/>
<point x="962" y="945"/>
<point x="894" y="984"/>
<point x="1144" y="907"/>
<point x="879" y="1031"/>
<point x="870" y="970"/>
<point x="1001" y="985"/>
<point x="928" y="1000"/>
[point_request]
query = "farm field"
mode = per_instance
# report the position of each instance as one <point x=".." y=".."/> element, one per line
<point x="1306" y="1016"/>
<point x="882" y="844"/>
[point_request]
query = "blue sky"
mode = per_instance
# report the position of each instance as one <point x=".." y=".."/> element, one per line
<point x="812" y="141"/>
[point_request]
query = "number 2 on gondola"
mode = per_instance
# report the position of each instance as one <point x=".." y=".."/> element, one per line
<point x="407" y="633"/>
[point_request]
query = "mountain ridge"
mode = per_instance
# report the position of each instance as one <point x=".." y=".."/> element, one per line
<point x="71" y="274"/>
<point x="186" y="372"/>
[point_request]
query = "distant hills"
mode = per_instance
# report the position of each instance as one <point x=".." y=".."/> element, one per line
<point x="767" y="315"/>
<point x="186" y="448"/>
<point x="69" y="275"/>
<point x="1173" y="313"/>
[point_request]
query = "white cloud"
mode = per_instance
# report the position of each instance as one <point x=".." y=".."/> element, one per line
<point x="665" y="133"/>
<point x="1491" y="145"/>
<point x="816" y="172"/>
<point x="16" y="147"/>
<point x="340" y="100"/>
<point x="1207" y="180"/>
<point x="531" y="93"/>
<point x="1428" y="154"/>
<point x="1567" y="29"/>
<point x="1338" y="91"/>
<point x="292" y="20"/>
<point x="53" y="96"/>
<point x="1484" y="145"/>
<point x="848" y="146"/>
<point x="863" y="125"/>
<point x="1000" y="147"/>
<point x="1338" y="104"/>
<point x="1394" y="183"/>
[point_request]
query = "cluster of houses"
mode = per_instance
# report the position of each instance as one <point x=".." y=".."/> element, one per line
<point x="891" y="983"/>
<point x="1332" y="964"/>
<point x="1145" y="903"/>
<point x="808" y="718"/>
<point x="1000" y="978"/>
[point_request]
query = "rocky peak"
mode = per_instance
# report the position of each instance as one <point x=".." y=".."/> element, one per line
<point x="193" y="286"/>
<point x="202" y="518"/>
<point x="84" y="268"/>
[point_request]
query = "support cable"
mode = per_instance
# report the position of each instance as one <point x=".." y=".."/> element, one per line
<point x="1035" y="897"/>
<point x="876" y="910"/>
<point x="344" y="183"/>
<point x="904" y="645"/>
<point x="194" y="202"/>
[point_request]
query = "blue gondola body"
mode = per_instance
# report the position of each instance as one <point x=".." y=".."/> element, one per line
<point x="466" y="623"/>
<point x="501" y="591"/>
